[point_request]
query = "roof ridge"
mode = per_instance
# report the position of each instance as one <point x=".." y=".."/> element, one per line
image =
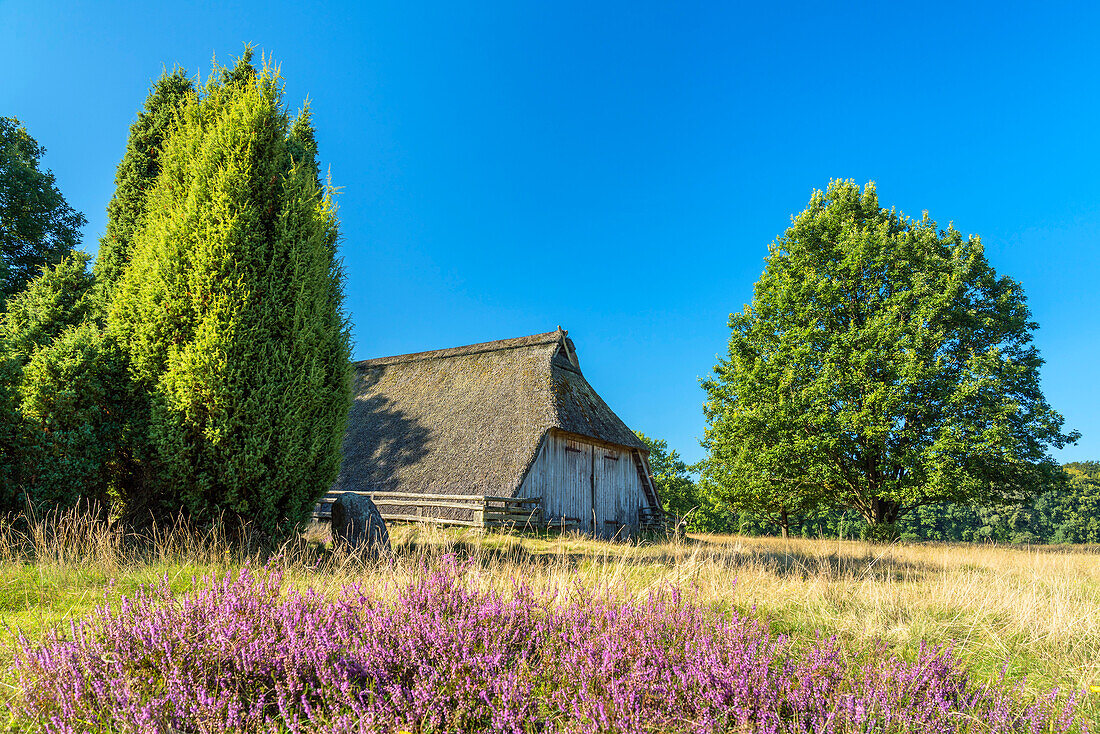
<point x="492" y="346"/>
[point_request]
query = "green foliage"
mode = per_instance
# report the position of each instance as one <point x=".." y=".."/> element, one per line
<point x="54" y="301"/>
<point x="881" y="366"/>
<point x="13" y="436"/>
<point x="58" y="298"/>
<point x="64" y="384"/>
<point x="137" y="173"/>
<point x="74" y="393"/>
<point x="1066" y="511"/>
<point x="671" y="476"/>
<point x="231" y="312"/>
<point x="681" y="498"/>
<point x="1075" y="513"/>
<point x="37" y="226"/>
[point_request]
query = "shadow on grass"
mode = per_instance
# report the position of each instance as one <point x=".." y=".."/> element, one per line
<point x="572" y="553"/>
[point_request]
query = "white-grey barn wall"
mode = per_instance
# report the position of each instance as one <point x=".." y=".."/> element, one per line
<point x="562" y="477"/>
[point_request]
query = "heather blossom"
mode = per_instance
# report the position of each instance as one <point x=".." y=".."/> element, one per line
<point x="243" y="654"/>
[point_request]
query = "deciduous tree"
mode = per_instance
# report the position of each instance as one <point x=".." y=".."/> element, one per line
<point x="37" y="225"/>
<point x="882" y="365"/>
<point x="672" y="477"/>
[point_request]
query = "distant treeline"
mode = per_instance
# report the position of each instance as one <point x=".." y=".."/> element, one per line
<point x="1070" y="516"/>
<point x="1060" y="515"/>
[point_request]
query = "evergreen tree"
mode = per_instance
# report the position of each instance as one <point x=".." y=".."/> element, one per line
<point x="881" y="366"/>
<point x="137" y="173"/>
<point x="73" y="396"/>
<point x="37" y="225"/>
<point x="13" y="437"/>
<point x="231" y="311"/>
<point x="60" y="297"/>
<point x="65" y="396"/>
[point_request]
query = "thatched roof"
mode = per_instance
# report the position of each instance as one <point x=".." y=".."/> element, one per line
<point x="468" y="420"/>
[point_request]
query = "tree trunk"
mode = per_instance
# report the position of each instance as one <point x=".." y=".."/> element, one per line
<point x="784" y="524"/>
<point x="881" y="517"/>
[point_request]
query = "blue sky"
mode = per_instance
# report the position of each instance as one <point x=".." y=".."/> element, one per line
<point x="620" y="168"/>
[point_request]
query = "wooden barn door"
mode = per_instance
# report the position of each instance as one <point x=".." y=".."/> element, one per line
<point x="611" y="489"/>
<point x="577" y="482"/>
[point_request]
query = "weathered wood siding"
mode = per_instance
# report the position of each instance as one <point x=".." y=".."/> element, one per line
<point x="596" y="484"/>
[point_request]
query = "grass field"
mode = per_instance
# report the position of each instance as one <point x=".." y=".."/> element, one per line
<point x="1031" y="612"/>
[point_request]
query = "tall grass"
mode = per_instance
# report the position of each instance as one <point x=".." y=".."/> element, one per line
<point x="1031" y="612"/>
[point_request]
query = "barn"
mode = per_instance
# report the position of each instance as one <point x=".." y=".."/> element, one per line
<point x="510" y="418"/>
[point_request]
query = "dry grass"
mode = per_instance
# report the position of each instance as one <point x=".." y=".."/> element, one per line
<point x="1035" y="610"/>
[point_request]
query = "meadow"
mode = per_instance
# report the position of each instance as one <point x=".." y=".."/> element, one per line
<point x="1025" y="620"/>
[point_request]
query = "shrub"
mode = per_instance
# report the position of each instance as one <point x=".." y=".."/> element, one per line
<point x="58" y="298"/>
<point x="242" y="655"/>
<point x="74" y="393"/>
<point x="12" y="437"/>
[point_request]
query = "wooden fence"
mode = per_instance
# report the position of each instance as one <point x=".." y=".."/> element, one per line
<point x="469" y="510"/>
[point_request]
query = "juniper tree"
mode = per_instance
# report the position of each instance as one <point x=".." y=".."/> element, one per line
<point x="67" y="399"/>
<point x="881" y="366"/>
<point x="231" y="311"/>
<point x="12" y="436"/>
<point x="37" y="225"/>
<point x="137" y="173"/>
<point x="74" y="394"/>
<point x="60" y="297"/>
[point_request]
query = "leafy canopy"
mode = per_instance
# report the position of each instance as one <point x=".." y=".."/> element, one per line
<point x="672" y="477"/>
<point x="37" y="225"/>
<point x="882" y="365"/>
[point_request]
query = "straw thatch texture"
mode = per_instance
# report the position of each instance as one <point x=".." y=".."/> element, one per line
<point x="468" y="420"/>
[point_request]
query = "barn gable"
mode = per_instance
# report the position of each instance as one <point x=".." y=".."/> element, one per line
<point x="470" y="420"/>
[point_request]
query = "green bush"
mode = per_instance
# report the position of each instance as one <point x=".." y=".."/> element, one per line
<point x="73" y="396"/>
<point x="12" y="437"/>
<point x="58" y="298"/>
<point x="231" y="312"/>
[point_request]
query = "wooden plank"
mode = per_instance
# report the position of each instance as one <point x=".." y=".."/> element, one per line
<point x="419" y="505"/>
<point x="418" y="496"/>
<point x="433" y="520"/>
<point x="409" y="503"/>
<point x="488" y="510"/>
<point x="431" y="497"/>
